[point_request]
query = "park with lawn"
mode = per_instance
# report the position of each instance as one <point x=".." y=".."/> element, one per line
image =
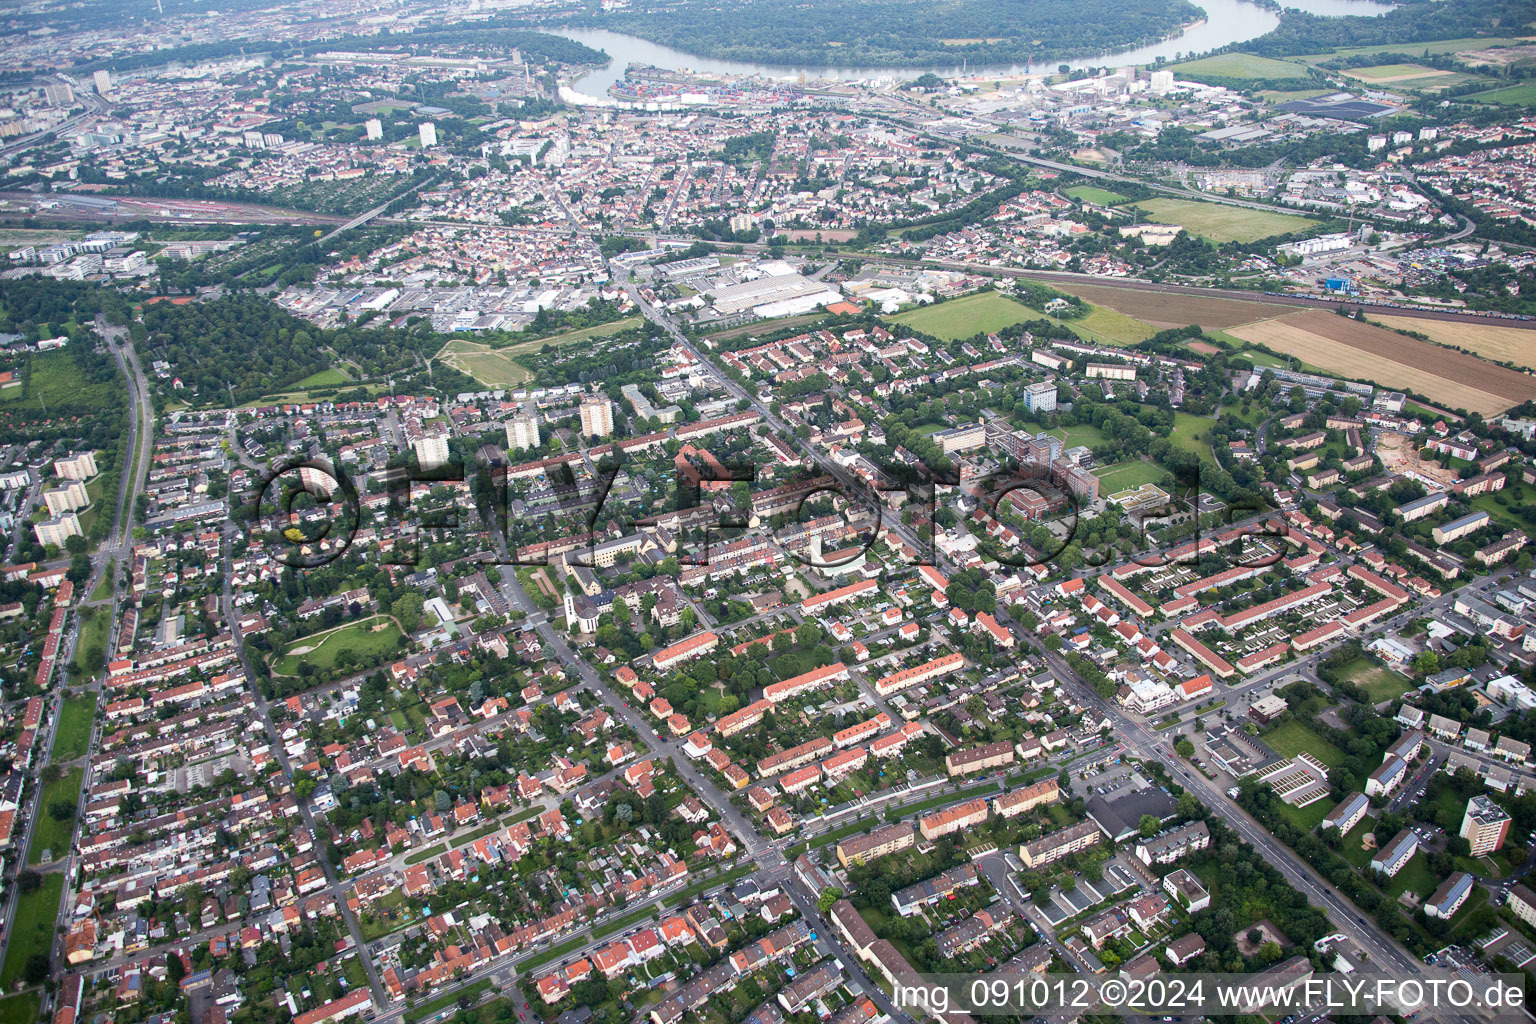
<point x="367" y="639"/>
<point x="32" y="930"/>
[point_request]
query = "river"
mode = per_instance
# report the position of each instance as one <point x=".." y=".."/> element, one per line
<point x="1226" y="22"/>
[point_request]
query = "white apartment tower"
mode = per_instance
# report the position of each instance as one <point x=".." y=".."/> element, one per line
<point x="428" y="132"/>
<point x="596" y="416"/>
<point x="523" y="432"/>
<point x="431" y="450"/>
<point x="374" y="129"/>
<point x="103" y="81"/>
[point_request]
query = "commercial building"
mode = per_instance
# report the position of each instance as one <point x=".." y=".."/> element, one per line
<point x="1485" y="825"/>
<point x="961" y="439"/>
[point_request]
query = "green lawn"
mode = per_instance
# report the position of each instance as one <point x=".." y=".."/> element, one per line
<point x="1192" y="432"/>
<point x="1522" y="95"/>
<point x="1380" y="682"/>
<point x="1094" y="194"/>
<point x="1351" y="849"/>
<point x="1415" y="875"/>
<point x="1240" y="65"/>
<point x="91" y="645"/>
<point x="1084" y="434"/>
<point x="32" y="928"/>
<point x="74" y="732"/>
<point x="330" y="378"/>
<point x="1126" y="475"/>
<point x="421" y="1011"/>
<point x="1221" y="223"/>
<point x="1110" y="327"/>
<point x="104" y="586"/>
<point x="357" y="636"/>
<point x="1291" y="738"/>
<point x="1309" y="817"/>
<point x="20" y="1009"/>
<point x="983" y="312"/>
<point x="50" y="835"/>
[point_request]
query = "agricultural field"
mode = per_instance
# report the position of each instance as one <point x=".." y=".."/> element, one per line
<point x="321" y="650"/>
<point x="1522" y="95"/>
<point x="982" y="312"/>
<point x="1240" y="65"/>
<point x="1221" y="223"/>
<point x="1094" y="194"/>
<point x="1434" y="49"/>
<point x="1489" y="340"/>
<point x="1353" y="349"/>
<point x="1384" y="73"/>
<point x="1127" y="475"/>
<point x="1176" y="309"/>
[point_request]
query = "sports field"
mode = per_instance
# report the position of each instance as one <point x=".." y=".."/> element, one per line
<point x="1240" y="65"/>
<point x="1221" y="223"/>
<point x="1126" y="475"/>
<point x="982" y="312"/>
<point x="1505" y="344"/>
<point x="1366" y="352"/>
<point x="1094" y="194"/>
<point x="1395" y="73"/>
<point x="321" y="650"/>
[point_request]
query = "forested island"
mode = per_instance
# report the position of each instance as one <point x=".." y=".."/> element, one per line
<point x="898" y="33"/>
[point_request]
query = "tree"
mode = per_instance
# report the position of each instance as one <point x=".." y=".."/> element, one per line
<point x="29" y="881"/>
<point x="829" y="895"/>
<point x="1149" y="825"/>
<point x="407" y="609"/>
<point x="1185" y="748"/>
<point x="36" y="970"/>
